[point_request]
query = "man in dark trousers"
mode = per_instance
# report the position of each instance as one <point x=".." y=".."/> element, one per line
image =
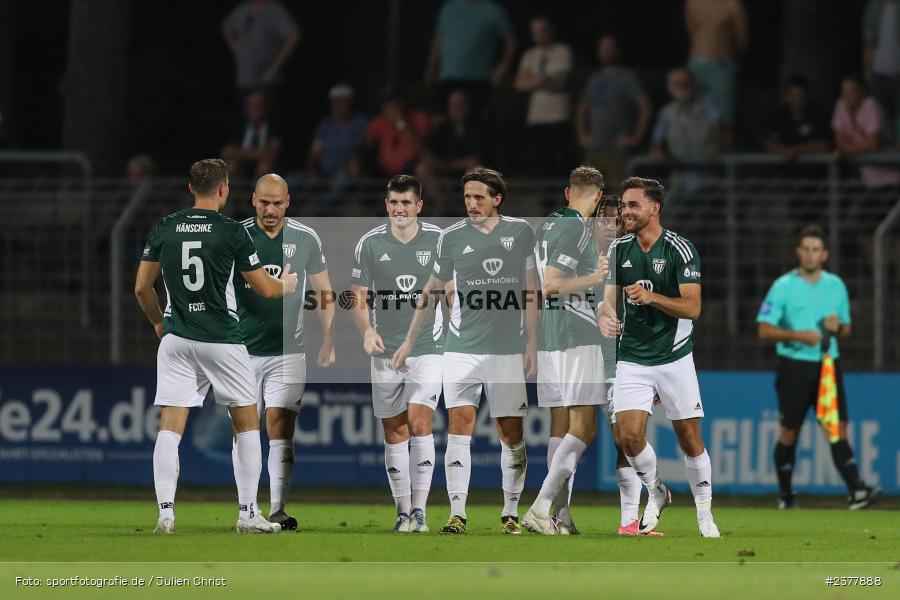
<point x="805" y="312"/>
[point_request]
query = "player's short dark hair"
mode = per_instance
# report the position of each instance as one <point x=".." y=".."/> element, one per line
<point x="405" y="183"/>
<point x="653" y="189"/>
<point x="585" y="176"/>
<point x="489" y="177"/>
<point x="813" y="231"/>
<point x="207" y="175"/>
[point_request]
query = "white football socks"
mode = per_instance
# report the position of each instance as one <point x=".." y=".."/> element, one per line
<point x="396" y="464"/>
<point x="165" y="471"/>
<point x="699" y="475"/>
<point x="248" y="465"/>
<point x="561" y="469"/>
<point x="563" y="499"/>
<point x="458" y="469"/>
<point x="629" y="494"/>
<point x="645" y="467"/>
<point x="281" y="468"/>
<point x="513" y="463"/>
<point x="421" y="468"/>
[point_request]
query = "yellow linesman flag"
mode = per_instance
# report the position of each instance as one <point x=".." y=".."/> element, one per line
<point x="827" y="402"/>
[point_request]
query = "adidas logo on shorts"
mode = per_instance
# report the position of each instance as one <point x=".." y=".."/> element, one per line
<point x="433" y="397"/>
<point x="524" y="406"/>
<point x="455" y="463"/>
<point x="698" y="407"/>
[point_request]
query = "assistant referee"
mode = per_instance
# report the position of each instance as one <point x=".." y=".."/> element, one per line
<point x="806" y="310"/>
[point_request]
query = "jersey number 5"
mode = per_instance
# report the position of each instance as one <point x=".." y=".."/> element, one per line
<point x="187" y="261"/>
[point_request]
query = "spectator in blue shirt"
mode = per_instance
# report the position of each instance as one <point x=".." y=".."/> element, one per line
<point x="804" y="313"/>
<point x="463" y="52"/>
<point x="338" y="139"/>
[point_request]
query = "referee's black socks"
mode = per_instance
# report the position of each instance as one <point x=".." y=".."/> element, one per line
<point x="845" y="463"/>
<point x="784" y="466"/>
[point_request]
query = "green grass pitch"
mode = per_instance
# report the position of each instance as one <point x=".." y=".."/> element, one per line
<point x="348" y="551"/>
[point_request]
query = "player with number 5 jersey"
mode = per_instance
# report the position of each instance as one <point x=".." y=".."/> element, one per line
<point x="197" y="251"/>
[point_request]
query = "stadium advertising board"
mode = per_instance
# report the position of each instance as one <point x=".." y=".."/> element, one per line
<point x="99" y="425"/>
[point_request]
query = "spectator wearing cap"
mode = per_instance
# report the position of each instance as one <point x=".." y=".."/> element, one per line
<point x="339" y="137"/>
<point x="395" y="136"/>
<point x="859" y="127"/>
<point x="262" y="36"/>
<point x="455" y="145"/>
<point x="463" y="51"/>
<point x="543" y="73"/>
<point x="799" y="126"/>
<point x="255" y="145"/>
<point x="881" y="55"/>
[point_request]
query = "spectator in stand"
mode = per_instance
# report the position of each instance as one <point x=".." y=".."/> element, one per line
<point x="799" y="126"/>
<point x="718" y="34"/>
<point x="140" y="168"/>
<point x="255" y="144"/>
<point x="881" y="55"/>
<point x="859" y="127"/>
<point x="613" y="114"/>
<point x="454" y="146"/>
<point x="262" y="35"/>
<point x="396" y="135"/>
<point x="463" y="52"/>
<point x="336" y="146"/>
<point x="688" y="127"/>
<point x="544" y="74"/>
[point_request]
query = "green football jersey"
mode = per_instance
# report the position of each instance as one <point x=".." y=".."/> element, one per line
<point x="274" y="326"/>
<point x="488" y="273"/>
<point x="650" y="336"/>
<point x="199" y="251"/>
<point x="396" y="273"/>
<point x="567" y="320"/>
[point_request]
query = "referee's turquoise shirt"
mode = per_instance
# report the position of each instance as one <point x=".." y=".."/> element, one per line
<point x="796" y="304"/>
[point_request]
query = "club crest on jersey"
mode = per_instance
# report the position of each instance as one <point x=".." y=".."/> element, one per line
<point x="492" y="266"/>
<point x="289" y="249"/>
<point x="507" y="242"/>
<point x="659" y="264"/>
<point x="406" y="283"/>
<point x="423" y="256"/>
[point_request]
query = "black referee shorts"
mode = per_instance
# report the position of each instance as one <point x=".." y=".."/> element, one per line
<point x="797" y="385"/>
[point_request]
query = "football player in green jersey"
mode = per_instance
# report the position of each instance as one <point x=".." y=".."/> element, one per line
<point x="393" y="261"/>
<point x="198" y="250"/>
<point x="273" y="329"/>
<point x="657" y="273"/>
<point x="492" y="338"/>
<point x="570" y="362"/>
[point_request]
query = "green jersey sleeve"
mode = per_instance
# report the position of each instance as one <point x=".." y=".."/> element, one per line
<point x="443" y="264"/>
<point x="361" y="274"/>
<point x="245" y="257"/>
<point x="315" y="255"/>
<point x="688" y="261"/>
<point x="565" y="249"/>
<point x="151" y="250"/>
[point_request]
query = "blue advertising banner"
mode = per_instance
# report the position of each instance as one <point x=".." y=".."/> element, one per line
<point x="60" y="424"/>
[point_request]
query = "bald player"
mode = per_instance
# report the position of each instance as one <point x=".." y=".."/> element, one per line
<point x="273" y="329"/>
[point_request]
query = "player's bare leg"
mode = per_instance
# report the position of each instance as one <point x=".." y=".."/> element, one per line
<point x="421" y="463"/>
<point x="513" y="464"/>
<point x="396" y="465"/>
<point x="458" y="465"/>
<point x="582" y="431"/>
<point x="280" y="423"/>
<point x="172" y="421"/>
<point x="641" y="456"/>
<point x="699" y="472"/>
<point x="247" y="468"/>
